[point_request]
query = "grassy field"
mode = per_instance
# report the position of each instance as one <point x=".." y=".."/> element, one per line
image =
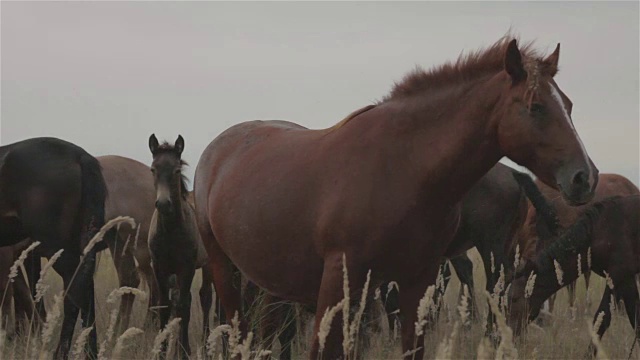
<point x="562" y="338"/>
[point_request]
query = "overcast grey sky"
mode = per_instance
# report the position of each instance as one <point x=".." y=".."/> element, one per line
<point x="106" y="75"/>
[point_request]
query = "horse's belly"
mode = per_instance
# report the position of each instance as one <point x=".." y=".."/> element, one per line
<point x="286" y="267"/>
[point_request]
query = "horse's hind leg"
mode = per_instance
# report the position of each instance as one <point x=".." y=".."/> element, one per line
<point x="206" y="299"/>
<point x="127" y="276"/>
<point x="226" y="284"/>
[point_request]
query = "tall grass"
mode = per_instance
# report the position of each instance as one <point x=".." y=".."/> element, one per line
<point x="563" y="337"/>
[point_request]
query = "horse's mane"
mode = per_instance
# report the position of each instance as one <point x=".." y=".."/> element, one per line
<point x="577" y="238"/>
<point x="165" y="147"/>
<point x="467" y="67"/>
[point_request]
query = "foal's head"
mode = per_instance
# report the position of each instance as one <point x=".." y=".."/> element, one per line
<point x="167" y="173"/>
<point x="535" y="128"/>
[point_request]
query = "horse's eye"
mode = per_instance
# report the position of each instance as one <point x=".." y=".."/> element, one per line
<point x="153" y="171"/>
<point x="536" y="109"/>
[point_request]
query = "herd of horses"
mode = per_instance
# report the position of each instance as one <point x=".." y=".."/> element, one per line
<point x="401" y="189"/>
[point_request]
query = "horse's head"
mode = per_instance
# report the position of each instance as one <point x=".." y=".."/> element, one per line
<point x="167" y="172"/>
<point x="535" y="128"/>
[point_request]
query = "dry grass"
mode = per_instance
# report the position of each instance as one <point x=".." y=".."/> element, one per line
<point x="562" y="338"/>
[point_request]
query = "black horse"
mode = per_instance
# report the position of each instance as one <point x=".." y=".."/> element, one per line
<point x="493" y="212"/>
<point x="53" y="191"/>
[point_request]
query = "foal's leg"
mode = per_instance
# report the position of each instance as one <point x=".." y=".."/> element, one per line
<point x="127" y="276"/>
<point x="185" y="278"/>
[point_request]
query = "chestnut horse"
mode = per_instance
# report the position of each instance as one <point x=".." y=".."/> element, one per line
<point x="608" y="231"/>
<point x="383" y="187"/>
<point x="53" y="191"/>
<point x="608" y="185"/>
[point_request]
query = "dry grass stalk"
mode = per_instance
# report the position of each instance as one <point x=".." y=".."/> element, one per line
<point x="234" y="335"/>
<point x="485" y="350"/>
<point x="589" y="258"/>
<point x="81" y="341"/>
<point x="50" y="326"/>
<point x="19" y="263"/>
<point x="516" y="261"/>
<point x="355" y="325"/>
<point x="110" y="224"/>
<point x="531" y="282"/>
<point x="559" y="273"/>
<point x="212" y="340"/>
<point x="163" y="335"/>
<point x="506" y="349"/>
<point x="122" y="341"/>
<point x="445" y="348"/>
<point x="493" y="263"/>
<point x="325" y="324"/>
<point x="424" y="309"/>
<point x="41" y="288"/>
<point x="609" y="280"/>
<point x="593" y="331"/>
<point x="345" y="306"/>
<point x="463" y="308"/>
<point x="579" y="266"/>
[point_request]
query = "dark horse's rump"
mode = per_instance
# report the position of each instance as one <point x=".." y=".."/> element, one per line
<point x="53" y="192"/>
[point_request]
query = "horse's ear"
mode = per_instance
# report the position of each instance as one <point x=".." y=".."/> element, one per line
<point x="551" y="62"/>
<point x="179" y="145"/>
<point x="153" y="143"/>
<point x="513" y="63"/>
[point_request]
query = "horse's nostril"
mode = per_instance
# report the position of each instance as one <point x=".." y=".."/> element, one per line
<point x="579" y="178"/>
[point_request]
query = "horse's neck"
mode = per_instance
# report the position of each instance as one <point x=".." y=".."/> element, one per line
<point x="176" y="218"/>
<point x="459" y="141"/>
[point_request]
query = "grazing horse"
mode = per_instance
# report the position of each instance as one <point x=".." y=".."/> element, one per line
<point x="174" y="242"/>
<point x="608" y="185"/>
<point x="493" y="211"/>
<point x="609" y="232"/>
<point x="53" y="192"/>
<point x="383" y="187"/>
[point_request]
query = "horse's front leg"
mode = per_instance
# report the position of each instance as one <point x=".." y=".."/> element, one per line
<point x="606" y="319"/>
<point x="330" y="294"/>
<point x="185" y="278"/>
<point x="410" y="296"/>
<point x="162" y="278"/>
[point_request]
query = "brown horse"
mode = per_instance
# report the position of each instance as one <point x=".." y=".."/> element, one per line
<point x="284" y="204"/>
<point x="53" y="192"/>
<point x="174" y="242"/>
<point x="608" y="231"/>
<point x="608" y="185"/>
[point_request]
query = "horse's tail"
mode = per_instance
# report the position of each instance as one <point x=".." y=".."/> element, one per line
<point x="93" y="198"/>
<point x="91" y="215"/>
<point x="547" y="221"/>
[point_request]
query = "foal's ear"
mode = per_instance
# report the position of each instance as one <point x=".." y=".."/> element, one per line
<point x="551" y="62"/>
<point x="513" y="63"/>
<point x="179" y="145"/>
<point x="153" y="143"/>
